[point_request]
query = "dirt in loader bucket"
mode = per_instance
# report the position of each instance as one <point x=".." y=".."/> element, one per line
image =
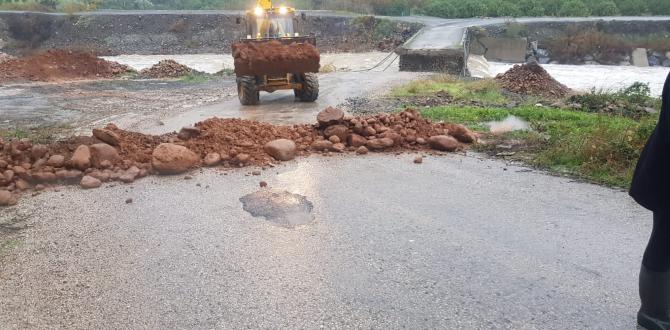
<point x="274" y="58"/>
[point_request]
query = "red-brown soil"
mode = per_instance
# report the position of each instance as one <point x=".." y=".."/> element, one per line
<point x="59" y="65"/>
<point x="532" y="79"/>
<point x="274" y="58"/>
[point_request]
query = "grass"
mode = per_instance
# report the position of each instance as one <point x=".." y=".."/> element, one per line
<point x="593" y="146"/>
<point x="485" y="91"/>
<point x="38" y="135"/>
<point x="196" y="78"/>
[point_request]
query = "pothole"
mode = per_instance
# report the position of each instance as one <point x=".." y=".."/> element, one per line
<point x="279" y="207"/>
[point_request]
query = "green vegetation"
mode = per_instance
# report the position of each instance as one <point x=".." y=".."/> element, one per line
<point x="39" y="135"/>
<point x="483" y="91"/>
<point x="633" y="101"/>
<point x="600" y="140"/>
<point x="601" y="148"/>
<point x="196" y="78"/>
<point x="440" y="8"/>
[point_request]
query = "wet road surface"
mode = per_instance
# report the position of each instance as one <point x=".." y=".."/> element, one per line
<point x="456" y="242"/>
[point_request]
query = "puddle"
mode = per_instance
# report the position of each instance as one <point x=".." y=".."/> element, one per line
<point x="509" y="124"/>
<point x="279" y="207"/>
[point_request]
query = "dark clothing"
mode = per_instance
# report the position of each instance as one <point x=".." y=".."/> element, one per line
<point x="657" y="255"/>
<point x="651" y="181"/>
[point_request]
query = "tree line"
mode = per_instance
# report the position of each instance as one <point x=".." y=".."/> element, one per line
<point x="439" y="8"/>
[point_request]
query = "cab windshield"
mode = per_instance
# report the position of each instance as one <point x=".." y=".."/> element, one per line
<point x="273" y="26"/>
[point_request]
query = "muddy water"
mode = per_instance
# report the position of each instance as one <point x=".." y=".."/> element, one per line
<point x="600" y="77"/>
<point x="279" y="207"/>
<point x="212" y="63"/>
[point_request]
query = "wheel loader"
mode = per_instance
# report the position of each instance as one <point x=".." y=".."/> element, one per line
<point x="266" y="27"/>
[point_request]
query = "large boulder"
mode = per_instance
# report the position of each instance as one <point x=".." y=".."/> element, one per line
<point x="380" y="144"/>
<point x="281" y="149"/>
<point x="170" y="158"/>
<point x="81" y="158"/>
<point x="443" y="143"/>
<point x="188" y="132"/>
<point x="322" y="145"/>
<point x="340" y="131"/>
<point x="329" y="116"/>
<point x="38" y="151"/>
<point x="356" y="140"/>
<point x="107" y="136"/>
<point x="56" y="161"/>
<point x="103" y="153"/>
<point x="461" y="133"/>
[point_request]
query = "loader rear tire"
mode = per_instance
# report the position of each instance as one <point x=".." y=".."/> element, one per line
<point x="247" y="92"/>
<point x="310" y="88"/>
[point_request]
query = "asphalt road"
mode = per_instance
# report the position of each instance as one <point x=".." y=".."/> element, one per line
<point x="457" y="243"/>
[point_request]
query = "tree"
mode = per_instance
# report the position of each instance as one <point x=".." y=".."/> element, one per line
<point x="632" y="7"/>
<point x="659" y="7"/>
<point x="531" y="8"/>
<point x="470" y="8"/>
<point x="439" y="8"/>
<point x="574" y="8"/>
<point x="498" y="8"/>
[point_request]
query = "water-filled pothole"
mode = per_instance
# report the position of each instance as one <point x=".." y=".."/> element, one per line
<point x="280" y="207"/>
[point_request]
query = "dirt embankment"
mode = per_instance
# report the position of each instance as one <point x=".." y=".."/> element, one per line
<point x="183" y="32"/>
<point x="113" y="154"/>
<point x="58" y="65"/>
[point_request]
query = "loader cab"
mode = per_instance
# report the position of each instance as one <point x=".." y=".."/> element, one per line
<point x="271" y="23"/>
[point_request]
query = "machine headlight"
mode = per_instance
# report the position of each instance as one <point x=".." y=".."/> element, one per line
<point x="283" y="10"/>
<point x="258" y="11"/>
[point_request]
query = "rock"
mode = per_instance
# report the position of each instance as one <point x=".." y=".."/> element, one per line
<point x="3" y="164"/>
<point x="81" y="158"/>
<point x="334" y="139"/>
<point x="340" y="131"/>
<point x="339" y="147"/>
<point x="443" y="143"/>
<point x="103" y="155"/>
<point x="188" y="132"/>
<point x="639" y="57"/>
<point x="6" y="198"/>
<point x="89" y="182"/>
<point x="666" y="63"/>
<point x="22" y="184"/>
<point x="130" y="175"/>
<point x="256" y="173"/>
<point x="44" y="177"/>
<point x="418" y="160"/>
<point x="281" y="149"/>
<point x="368" y="131"/>
<point x="462" y="133"/>
<point x="40" y="187"/>
<point x="263" y="184"/>
<point x="362" y="150"/>
<point x="356" y="140"/>
<point x="212" y="159"/>
<point x="56" y="161"/>
<point x="68" y="175"/>
<point x="38" y="151"/>
<point x="242" y="159"/>
<point x="129" y="201"/>
<point x="397" y="138"/>
<point x="653" y="61"/>
<point x="170" y="158"/>
<point x="8" y="175"/>
<point x="380" y="144"/>
<point x="329" y="116"/>
<point x="322" y="145"/>
<point x="107" y="136"/>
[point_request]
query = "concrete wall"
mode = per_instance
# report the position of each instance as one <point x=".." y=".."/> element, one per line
<point x="512" y="50"/>
<point x="438" y="62"/>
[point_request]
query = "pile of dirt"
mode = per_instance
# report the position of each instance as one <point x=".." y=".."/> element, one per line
<point x="166" y="69"/>
<point x="58" y="65"/>
<point x="532" y="79"/>
<point x="273" y="57"/>
<point x="113" y="154"/>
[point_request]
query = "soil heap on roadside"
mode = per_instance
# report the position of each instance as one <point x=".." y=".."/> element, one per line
<point x="532" y="79"/>
<point x="273" y="57"/>
<point x="58" y="65"/>
<point x="166" y="69"/>
<point x="113" y="154"/>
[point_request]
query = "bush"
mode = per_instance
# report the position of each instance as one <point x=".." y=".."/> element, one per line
<point x="574" y="8"/>
<point x="628" y="102"/>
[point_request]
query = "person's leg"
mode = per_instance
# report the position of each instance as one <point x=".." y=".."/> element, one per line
<point x="655" y="277"/>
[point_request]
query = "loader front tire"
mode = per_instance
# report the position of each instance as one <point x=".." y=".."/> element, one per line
<point x="310" y="88"/>
<point x="247" y="92"/>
